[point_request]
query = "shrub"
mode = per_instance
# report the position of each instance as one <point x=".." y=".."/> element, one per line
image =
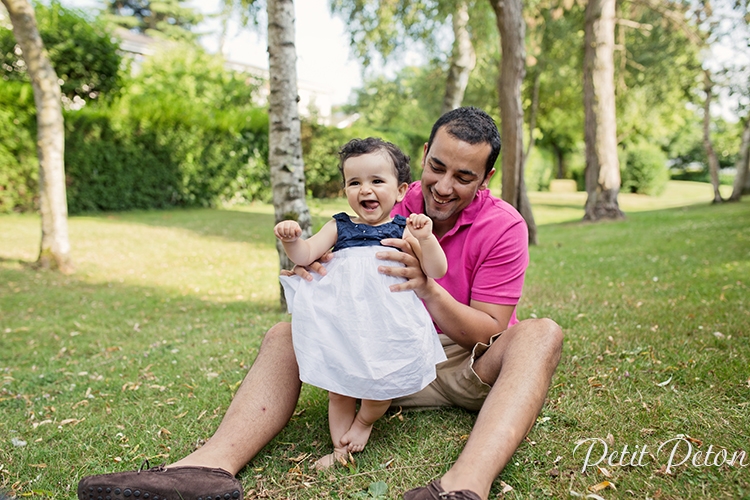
<point x="82" y="51"/>
<point x="19" y="168"/>
<point x="644" y="170"/>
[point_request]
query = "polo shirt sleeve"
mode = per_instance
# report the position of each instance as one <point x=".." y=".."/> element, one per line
<point x="502" y="266"/>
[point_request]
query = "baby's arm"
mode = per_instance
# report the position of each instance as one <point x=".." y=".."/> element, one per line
<point x="429" y="252"/>
<point x="305" y="252"/>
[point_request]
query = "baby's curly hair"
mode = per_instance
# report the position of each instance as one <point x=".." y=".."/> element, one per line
<point x="359" y="147"/>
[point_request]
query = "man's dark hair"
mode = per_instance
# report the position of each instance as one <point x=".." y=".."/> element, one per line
<point x="359" y="147"/>
<point x="470" y="125"/>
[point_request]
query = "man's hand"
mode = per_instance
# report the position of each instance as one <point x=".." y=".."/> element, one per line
<point x="415" y="277"/>
<point x="420" y="226"/>
<point x="287" y="231"/>
<point x="304" y="272"/>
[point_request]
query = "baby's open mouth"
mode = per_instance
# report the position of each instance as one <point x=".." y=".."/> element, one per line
<point x="370" y="204"/>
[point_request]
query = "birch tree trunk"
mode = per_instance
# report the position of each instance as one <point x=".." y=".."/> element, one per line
<point x="463" y="60"/>
<point x="742" y="180"/>
<point x="713" y="160"/>
<point x="54" y="252"/>
<point x="284" y="137"/>
<point x="602" y="164"/>
<point x="512" y="30"/>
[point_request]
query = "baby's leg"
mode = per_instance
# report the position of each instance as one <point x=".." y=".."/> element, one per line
<point x="341" y="411"/>
<point x="369" y="411"/>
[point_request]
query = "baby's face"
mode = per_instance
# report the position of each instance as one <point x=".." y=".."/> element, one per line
<point x="372" y="188"/>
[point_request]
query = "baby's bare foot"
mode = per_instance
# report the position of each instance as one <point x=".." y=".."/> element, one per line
<point x="339" y="455"/>
<point x="357" y="436"/>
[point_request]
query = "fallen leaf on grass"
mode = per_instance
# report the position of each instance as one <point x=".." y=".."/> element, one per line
<point x="506" y="488"/>
<point x="693" y="440"/>
<point x="164" y="433"/>
<point x="666" y="382"/>
<point x="604" y="472"/>
<point x="299" y="458"/>
<point x="590" y="495"/>
<point x="73" y="421"/>
<point x="38" y="466"/>
<point x="602" y="486"/>
<point x="18" y="443"/>
<point x="39" y="424"/>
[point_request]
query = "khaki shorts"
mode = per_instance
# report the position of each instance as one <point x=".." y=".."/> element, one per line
<point x="456" y="384"/>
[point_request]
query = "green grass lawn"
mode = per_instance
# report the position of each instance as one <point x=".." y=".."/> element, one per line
<point x="136" y="356"/>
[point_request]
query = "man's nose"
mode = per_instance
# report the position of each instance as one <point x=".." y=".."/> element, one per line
<point x="444" y="185"/>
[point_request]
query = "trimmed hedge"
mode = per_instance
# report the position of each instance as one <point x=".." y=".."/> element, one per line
<point x="133" y="163"/>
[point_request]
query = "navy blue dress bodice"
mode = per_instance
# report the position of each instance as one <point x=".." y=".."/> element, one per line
<point x="362" y="235"/>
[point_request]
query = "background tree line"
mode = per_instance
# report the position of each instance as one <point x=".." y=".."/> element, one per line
<point x="186" y="131"/>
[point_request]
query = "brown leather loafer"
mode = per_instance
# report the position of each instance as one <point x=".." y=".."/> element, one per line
<point x="434" y="491"/>
<point x="159" y="483"/>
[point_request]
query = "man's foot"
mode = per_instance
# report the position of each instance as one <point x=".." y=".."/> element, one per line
<point x="434" y="491"/>
<point x="158" y="483"/>
<point x="339" y="456"/>
<point x="357" y="436"/>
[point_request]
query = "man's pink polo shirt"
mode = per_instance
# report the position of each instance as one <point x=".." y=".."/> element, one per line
<point x="487" y="249"/>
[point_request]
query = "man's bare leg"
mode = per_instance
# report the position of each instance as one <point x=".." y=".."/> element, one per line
<point x="369" y="412"/>
<point x="262" y="406"/>
<point x="519" y="365"/>
<point x="341" y="412"/>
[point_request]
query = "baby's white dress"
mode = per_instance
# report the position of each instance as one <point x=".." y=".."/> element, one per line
<point x="351" y="334"/>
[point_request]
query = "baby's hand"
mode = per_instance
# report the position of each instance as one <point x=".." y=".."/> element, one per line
<point x="420" y="226"/>
<point x="287" y="231"/>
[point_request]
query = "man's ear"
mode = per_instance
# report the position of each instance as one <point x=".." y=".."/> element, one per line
<point x="424" y="154"/>
<point x="402" y="191"/>
<point x="486" y="182"/>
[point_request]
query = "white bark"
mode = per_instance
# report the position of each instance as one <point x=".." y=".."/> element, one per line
<point x="742" y="180"/>
<point x="713" y="160"/>
<point x="55" y="245"/>
<point x="512" y="28"/>
<point x="284" y="139"/>
<point x="602" y="164"/>
<point x="463" y="60"/>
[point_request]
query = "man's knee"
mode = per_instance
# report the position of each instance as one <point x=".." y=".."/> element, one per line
<point x="278" y="338"/>
<point x="544" y="329"/>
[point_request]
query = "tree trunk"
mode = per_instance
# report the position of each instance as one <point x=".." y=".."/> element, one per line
<point x="602" y="164"/>
<point x="54" y="250"/>
<point x="560" y="155"/>
<point x="463" y="60"/>
<point x="713" y="160"/>
<point x="284" y="136"/>
<point x="512" y="30"/>
<point x="742" y="177"/>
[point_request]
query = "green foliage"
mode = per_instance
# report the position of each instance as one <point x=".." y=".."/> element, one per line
<point x="320" y="147"/>
<point x="170" y="19"/>
<point x="81" y="50"/>
<point x="184" y="133"/>
<point x="644" y="170"/>
<point x="18" y="161"/>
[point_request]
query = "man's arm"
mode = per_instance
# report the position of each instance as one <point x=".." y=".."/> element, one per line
<point x="465" y="325"/>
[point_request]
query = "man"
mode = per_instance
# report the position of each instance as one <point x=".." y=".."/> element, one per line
<point x="495" y="364"/>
